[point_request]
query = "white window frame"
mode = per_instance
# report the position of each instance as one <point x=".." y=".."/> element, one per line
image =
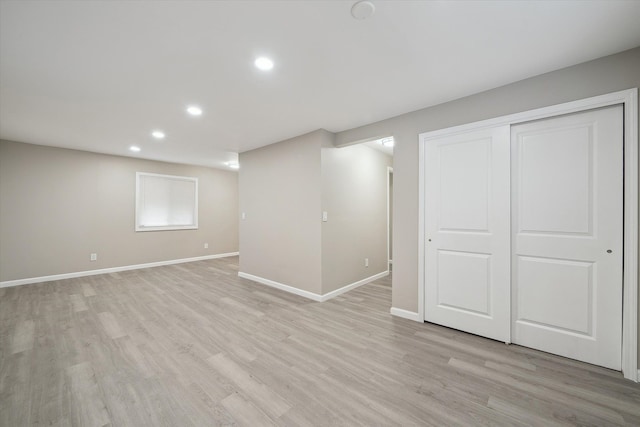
<point x="140" y="203"/>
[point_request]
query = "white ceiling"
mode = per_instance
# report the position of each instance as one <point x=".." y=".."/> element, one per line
<point x="99" y="76"/>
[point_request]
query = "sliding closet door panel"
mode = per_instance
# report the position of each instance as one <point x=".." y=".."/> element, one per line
<point x="567" y="176"/>
<point x="467" y="254"/>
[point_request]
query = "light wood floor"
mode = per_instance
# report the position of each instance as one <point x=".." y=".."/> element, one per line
<point x="192" y="344"/>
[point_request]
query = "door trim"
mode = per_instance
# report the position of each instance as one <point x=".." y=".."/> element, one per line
<point x="629" y="99"/>
<point x="389" y="211"/>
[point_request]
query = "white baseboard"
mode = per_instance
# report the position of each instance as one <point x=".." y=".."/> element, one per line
<point x="411" y="315"/>
<point x="353" y="285"/>
<point x="311" y="295"/>
<point x="281" y="286"/>
<point x="18" y="282"/>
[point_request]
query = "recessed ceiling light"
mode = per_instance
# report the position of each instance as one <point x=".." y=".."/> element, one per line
<point x="158" y="134"/>
<point x="388" y="141"/>
<point x="194" y="110"/>
<point x="134" y="148"/>
<point x="233" y="165"/>
<point x="264" y="63"/>
<point x="362" y="10"/>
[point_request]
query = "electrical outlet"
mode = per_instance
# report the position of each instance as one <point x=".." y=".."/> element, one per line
<point x="206" y="246"/>
<point x="94" y="257"/>
<point x="366" y="262"/>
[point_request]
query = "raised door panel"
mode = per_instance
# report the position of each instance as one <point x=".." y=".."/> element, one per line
<point x="555" y="189"/>
<point x="464" y="282"/>
<point x="570" y="283"/>
<point x="463" y="196"/>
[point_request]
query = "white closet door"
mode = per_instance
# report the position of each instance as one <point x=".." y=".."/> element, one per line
<point x="567" y="235"/>
<point x="467" y="254"/>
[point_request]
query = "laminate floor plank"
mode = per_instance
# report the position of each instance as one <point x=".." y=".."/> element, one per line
<point x="195" y="345"/>
<point x="23" y="336"/>
<point x="263" y="397"/>
<point x="87" y="290"/>
<point x="87" y="407"/>
<point x="244" y="412"/>
<point x="604" y="414"/>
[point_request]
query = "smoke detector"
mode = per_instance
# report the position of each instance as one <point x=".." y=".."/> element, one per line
<point x="362" y="10"/>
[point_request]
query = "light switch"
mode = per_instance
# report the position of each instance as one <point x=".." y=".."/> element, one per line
<point x="244" y="215"/>
<point x="325" y="217"/>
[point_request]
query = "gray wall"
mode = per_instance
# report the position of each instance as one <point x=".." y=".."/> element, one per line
<point x="601" y="76"/>
<point x="354" y="193"/>
<point x="57" y="206"/>
<point x="284" y="188"/>
<point x="280" y="238"/>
